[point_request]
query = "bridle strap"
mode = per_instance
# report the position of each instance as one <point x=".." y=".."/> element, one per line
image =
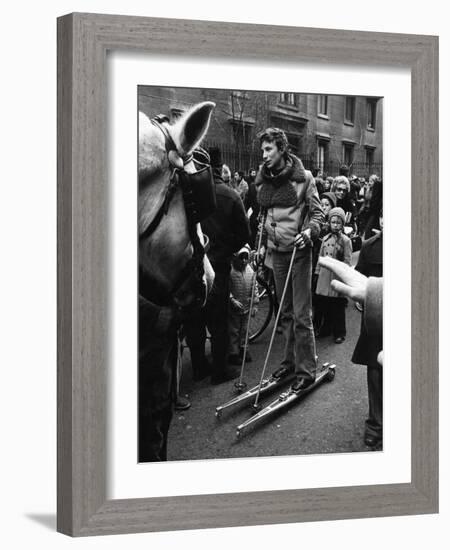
<point x="158" y="122"/>
<point x="163" y="209"/>
<point x="194" y="267"/>
<point x="169" y="144"/>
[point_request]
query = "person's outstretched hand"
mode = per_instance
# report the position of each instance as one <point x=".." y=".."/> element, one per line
<point x="352" y="284"/>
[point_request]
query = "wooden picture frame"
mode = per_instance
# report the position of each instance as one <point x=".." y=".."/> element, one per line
<point x="83" y="42"/>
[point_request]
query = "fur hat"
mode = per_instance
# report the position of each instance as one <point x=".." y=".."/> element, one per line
<point x="337" y="212"/>
<point x="216" y="157"/>
<point x="331" y="197"/>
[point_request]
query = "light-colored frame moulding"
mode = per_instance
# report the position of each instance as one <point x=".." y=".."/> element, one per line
<point x="83" y="42"/>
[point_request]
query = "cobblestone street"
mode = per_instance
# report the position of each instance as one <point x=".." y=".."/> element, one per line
<point x="328" y="420"/>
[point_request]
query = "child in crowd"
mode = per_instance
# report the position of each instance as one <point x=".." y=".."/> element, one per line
<point x="226" y="175"/>
<point x="330" y="307"/>
<point x="241" y="280"/>
<point x="328" y="201"/>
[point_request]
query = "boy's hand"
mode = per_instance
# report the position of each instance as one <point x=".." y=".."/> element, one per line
<point x="237" y="304"/>
<point x="303" y="239"/>
<point x="261" y="255"/>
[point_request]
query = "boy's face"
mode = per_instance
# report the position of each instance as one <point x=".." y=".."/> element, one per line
<point x="336" y="224"/>
<point x="326" y="205"/>
<point x="240" y="262"/>
<point x="272" y="156"/>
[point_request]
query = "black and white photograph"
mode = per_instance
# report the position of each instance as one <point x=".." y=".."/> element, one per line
<point x="260" y="276"/>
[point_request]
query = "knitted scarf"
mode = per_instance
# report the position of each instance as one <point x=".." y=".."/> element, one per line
<point x="277" y="190"/>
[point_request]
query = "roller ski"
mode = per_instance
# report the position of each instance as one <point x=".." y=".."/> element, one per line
<point x="275" y="380"/>
<point x="287" y="398"/>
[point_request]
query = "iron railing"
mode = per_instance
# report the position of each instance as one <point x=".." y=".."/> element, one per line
<point x="246" y="158"/>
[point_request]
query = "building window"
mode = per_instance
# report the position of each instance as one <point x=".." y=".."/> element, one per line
<point x="371" y="113"/>
<point x="322" y="154"/>
<point x="347" y="154"/>
<point x="349" y="115"/>
<point x="322" y="105"/>
<point x="289" y="99"/>
<point x="238" y="94"/>
<point x="369" y="159"/>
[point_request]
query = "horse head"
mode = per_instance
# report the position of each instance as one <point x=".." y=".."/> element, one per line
<point x="169" y="239"/>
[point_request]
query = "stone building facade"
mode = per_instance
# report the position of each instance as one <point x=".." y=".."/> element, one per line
<point x="324" y="130"/>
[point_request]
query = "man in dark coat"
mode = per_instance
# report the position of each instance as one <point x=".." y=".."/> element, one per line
<point x="375" y="207"/>
<point x="251" y="201"/>
<point x="370" y="264"/>
<point x="228" y="231"/>
<point x="157" y="363"/>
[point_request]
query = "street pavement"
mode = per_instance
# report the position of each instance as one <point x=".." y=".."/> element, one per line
<point x="330" y="419"/>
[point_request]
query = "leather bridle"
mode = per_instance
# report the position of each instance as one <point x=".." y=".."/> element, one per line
<point x="193" y="272"/>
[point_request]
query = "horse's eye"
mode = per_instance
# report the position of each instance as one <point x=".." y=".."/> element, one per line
<point x="150" y="172"/>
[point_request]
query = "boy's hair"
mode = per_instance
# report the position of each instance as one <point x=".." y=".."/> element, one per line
<point x="274" y="135"/>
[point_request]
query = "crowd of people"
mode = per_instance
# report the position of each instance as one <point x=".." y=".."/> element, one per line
<point x="307" y="214"/>
<point x="307" y="220"/>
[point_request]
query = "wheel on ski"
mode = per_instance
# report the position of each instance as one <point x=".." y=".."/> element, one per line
<point x="240" y="386"/>
<point x="329" y="377"/>
<point x="263" y="308"/>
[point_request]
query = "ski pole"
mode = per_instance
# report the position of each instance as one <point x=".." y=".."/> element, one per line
<point x="240" y="386"/>
<point x="255" y="404"/>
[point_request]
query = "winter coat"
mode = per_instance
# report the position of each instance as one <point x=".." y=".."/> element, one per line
<point x="370" y="341"/>
<point x="241" y="286"/>
<point x="338" y="247"/>
<point x="292" y="204"/>
<point x="374" y="210"/>
<point x="251" y="201"/>
<point x="227" y="227"/>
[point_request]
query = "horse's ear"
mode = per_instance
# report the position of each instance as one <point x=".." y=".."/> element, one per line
<point x="189" y="131"/>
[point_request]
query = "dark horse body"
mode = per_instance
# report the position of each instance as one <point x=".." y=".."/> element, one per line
<point x="166" y="253"/>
